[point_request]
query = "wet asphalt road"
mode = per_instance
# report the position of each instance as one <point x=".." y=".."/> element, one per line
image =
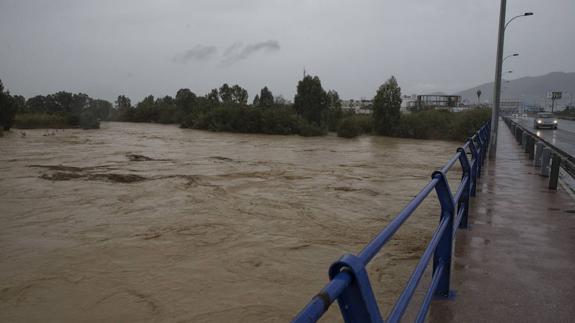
<point x="563" y="138"/>
<point x="515" y="262"/>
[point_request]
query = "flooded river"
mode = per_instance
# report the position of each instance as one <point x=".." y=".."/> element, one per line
<point x="152" y="223"/>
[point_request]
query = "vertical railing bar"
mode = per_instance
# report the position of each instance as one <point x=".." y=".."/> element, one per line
<point x="429" y="295"/>
<point x="403" y="300"/>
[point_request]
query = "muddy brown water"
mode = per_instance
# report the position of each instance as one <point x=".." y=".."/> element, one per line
<point x="152" y="223"/>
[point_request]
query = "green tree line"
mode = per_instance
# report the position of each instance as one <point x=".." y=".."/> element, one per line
<point x="313" y="112"/>
<point x="58" y="110"/>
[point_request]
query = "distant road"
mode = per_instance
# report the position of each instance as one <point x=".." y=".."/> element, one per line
<point x="563" y="138"/>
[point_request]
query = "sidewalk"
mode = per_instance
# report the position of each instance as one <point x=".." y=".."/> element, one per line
<point x="516" y="263"/>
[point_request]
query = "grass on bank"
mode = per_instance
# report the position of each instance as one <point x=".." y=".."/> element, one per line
<point x="41" y="120"/>
<point x="55" y="121"/>
<point x="431" y="124"/>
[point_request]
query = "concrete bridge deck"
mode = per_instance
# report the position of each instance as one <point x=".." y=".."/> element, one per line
<point x="516" y="263"/>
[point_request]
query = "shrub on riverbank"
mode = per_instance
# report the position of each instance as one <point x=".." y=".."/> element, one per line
<point x="42" y="120"/>
<point x="354" y="126"/>
<point x="89" y="120"/>
<point x="276" y="121"/>
<point x="441" y="124"/>
<point x="348" y="129"/>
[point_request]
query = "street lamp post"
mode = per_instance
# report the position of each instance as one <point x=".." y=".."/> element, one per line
<point x="497" y="83"/>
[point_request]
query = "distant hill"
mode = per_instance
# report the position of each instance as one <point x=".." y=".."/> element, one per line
<point x="531" y="90"/>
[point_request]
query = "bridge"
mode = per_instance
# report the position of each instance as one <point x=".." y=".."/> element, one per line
<point x="503" y="249"/>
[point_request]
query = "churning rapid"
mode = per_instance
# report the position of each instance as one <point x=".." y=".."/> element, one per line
<point x="144" y="222"/>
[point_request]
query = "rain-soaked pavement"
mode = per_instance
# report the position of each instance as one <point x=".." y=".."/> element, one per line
<point x="517" y="261"/>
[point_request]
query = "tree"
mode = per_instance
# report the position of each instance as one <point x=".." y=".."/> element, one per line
<point x="185" y="100"/>
<point x="335" y="112"/>
<point x="7" y="109"/>
<point x="333" y="99"/>
<point x="123" y="102"/>
<point x="310" y="101"/>
<point x="37" y="104"/>
<point x="19" y="103"/>
<point x="124" y="110"/>
<point x="478" y="96"/>
<point x="256" y="102"/>
<point x="266" y="98"/>
<point x="225" y="93"/>
<point x="146" y="110"/>
<point x="386" y="107"/>
<point x="89" y="120"/>
<point x="240" y="95"/>
<point x="213" y="97"/>
<point x="280" y="101"/>
<point x="101" y="109"/>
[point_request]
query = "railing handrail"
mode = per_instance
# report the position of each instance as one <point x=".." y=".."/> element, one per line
<point x="349" y="282"/>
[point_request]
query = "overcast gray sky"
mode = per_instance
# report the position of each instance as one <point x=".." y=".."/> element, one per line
<point x="137" y="47"/>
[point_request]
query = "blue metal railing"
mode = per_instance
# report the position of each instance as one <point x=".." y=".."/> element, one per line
<point x="349" y="282"/>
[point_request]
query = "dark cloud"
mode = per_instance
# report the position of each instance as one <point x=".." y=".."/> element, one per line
<point x="198" y="53"/>
<point x="237" y="51"/>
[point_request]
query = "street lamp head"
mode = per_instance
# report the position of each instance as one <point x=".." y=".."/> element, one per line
<point x="528" y="14"/>
<point x="515" y="54"/>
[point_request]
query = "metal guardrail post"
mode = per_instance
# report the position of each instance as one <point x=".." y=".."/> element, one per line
<point x="545" y="157"/>
<point x="444" y="248"/>
<point x="464" y="201"/>
<point x="538" y="153"/>
<point x="357" y="302"/>
<point x="531" y="147"/>
<point x="524" y="139"/>
<point x="554" y="177"/>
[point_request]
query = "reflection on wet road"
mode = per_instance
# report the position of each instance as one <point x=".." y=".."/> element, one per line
<point x="563" y="138"/>
<point x="516" y="262"/>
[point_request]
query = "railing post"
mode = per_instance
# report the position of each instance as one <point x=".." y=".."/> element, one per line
<point x="519" y="135"/>
<point x="531" y="147"/>
<point x="464" y="199"/>
<point x="538" y="152"/>
<point x="484" y="145"/>
<point x="481" y="151"/>
<point x="524" y="141"/>
<point x="554" y="177"/>
<point x="357" y="302"/>
<point x="474" y="166"/>
<point x="444" y="248"/>
<point x="488" y="132"/>
<point x="545" y="157"/>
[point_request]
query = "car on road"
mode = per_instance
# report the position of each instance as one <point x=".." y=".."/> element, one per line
<point x="545" y="120"/>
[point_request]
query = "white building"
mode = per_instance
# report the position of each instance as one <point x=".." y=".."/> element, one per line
<point x="362" y="106"/>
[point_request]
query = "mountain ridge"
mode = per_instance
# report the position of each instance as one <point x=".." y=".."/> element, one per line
<point x="529" y="89"/>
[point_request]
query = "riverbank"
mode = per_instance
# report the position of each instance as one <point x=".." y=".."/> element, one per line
<point x="148" y="222"/>
<point x="55" y="121"/>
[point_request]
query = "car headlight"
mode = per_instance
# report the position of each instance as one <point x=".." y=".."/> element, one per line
<point x="539" y="121"/>
<point x="554" y="121"/>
